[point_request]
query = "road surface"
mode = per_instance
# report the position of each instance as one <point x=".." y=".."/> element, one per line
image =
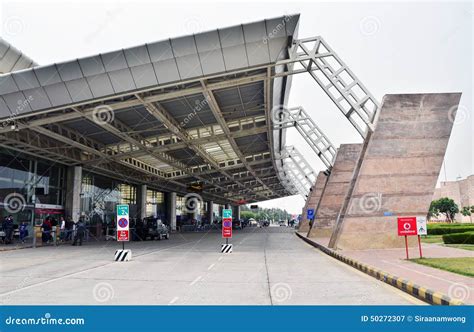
<point x="268" y="266"/>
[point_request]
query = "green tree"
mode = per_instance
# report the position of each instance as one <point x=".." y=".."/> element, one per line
<point x="246" y="215"/>
<point x="446" y="206"/>
<point x="466" y="211"/>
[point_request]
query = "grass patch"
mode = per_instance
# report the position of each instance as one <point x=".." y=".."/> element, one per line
<point x="459" y="265"/>
<point x="432" y="239"/>
<point x="461" y="246"/>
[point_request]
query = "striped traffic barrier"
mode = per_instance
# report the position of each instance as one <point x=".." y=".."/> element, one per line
<point x="123" y="255"/>
<point x="226" y="248"/>
<point x="407" y="286"/>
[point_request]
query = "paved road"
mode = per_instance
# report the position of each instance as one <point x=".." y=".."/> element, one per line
<point x="268" y="266"/>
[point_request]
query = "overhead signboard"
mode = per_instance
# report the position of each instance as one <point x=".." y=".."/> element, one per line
<point x="123" y="223"/>
<point x="406" y="226"/>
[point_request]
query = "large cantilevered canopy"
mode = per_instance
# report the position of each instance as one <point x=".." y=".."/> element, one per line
<point x="200" y="109"/>
<point x="169" y="114"/>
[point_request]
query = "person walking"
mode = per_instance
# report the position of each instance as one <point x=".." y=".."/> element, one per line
<point x="8" y="229"/>
<point x="23" y="231"/>
<point x="46" y="227"/>
<point x="69" y="228"/>
<point x="62" y="229"/>
<point x="80" y="233"/>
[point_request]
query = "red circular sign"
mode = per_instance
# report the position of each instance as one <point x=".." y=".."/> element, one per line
<point x="123" y="222"/>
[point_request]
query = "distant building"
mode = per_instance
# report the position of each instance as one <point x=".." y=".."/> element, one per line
<point x="461" y="191"/>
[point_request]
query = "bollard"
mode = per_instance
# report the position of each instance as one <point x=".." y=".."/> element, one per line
<point x="34" y="236"/>
<point x="53" y="231"/>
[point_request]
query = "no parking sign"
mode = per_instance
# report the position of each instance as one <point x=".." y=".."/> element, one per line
<point x="123" y="223"/>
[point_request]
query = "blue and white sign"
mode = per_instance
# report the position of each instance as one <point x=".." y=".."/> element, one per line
<point x="310" y="214"/>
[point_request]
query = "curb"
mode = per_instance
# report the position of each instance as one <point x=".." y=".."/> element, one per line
<point x="422" y="293"/>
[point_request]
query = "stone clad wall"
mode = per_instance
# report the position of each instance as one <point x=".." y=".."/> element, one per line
<point x="312" y="201"/>
<point x="336" y="190"/>
<point x="399" y="170"/>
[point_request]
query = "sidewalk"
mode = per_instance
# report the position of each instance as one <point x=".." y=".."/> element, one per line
<point x="393" y="261"/>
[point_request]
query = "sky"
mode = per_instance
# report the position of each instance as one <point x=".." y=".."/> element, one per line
<point x="393" y="47"/>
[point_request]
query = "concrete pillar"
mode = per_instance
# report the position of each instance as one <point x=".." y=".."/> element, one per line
<point x="336" y="190"/>
<point x="236" y="212"/>
<point x="73" y="192"/>
<point x="141" y="201"/>
<point x="171" y="209"/>
<point x="227" y="206"/>
<point x="210" y="212"/>
<point x="398" y="171"/>
<point x="312" y="201"/>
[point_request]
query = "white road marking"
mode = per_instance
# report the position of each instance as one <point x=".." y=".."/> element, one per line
<point x="220" y="258"/>
<point x="211" y="266"/>
<point x="195" y="280"/>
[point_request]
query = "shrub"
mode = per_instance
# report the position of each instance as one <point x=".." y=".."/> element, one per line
<point x="440" y="229"/>
<point x="456" y="238"/>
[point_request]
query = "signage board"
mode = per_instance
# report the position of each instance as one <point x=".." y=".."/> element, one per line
<point x="123" y="223"/>
<point x="227" y="223"/>
<point x="421" y="226"/>
<point x="406" y="226"/>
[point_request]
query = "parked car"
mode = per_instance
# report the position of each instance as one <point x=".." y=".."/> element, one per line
<point x="237" y="224"/>
<point x="156" y="229"/>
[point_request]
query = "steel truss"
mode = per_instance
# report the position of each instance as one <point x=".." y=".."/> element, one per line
<point x="311" y="55"/>
<point x="317" y="140"/>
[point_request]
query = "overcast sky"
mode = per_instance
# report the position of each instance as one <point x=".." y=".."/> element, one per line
<point x="391" y="47"/>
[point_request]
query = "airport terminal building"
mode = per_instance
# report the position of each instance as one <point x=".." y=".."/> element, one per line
<point x="177" y="129"/>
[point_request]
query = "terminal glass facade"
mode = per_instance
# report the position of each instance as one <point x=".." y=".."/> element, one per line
<point x="100" y="195"/>
<point x="29" y="186"/>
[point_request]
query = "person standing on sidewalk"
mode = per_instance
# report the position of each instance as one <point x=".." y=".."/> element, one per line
<point x="8" y="228"/>
<point x="62" y="229"/>
<point x="80" y="232"/>
<point x="23" y="231"/>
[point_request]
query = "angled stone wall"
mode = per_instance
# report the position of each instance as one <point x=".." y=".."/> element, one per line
<point x="312" y="201"/>
<point x="336" y="190"/>
<point x="399" y="169"/>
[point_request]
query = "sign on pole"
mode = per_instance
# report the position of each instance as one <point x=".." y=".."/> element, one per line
<point x="421" y="227"/>
<point x="310" y="214"/>
<point x="227" y="223"/>
<point x="406" y="226"/>
<point x="123" y="223"/>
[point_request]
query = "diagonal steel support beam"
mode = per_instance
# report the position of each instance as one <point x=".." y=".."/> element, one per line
<point x="297" y="117"/>
<point x="161" y="114"/>
<point x="216" y="111"/>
